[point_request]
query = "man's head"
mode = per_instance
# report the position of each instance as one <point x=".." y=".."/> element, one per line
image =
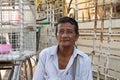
<point x="68" y="20"/>
<point x="67" y="32"/>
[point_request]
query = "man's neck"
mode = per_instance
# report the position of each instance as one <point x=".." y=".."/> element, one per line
<point x="65" y="51"/>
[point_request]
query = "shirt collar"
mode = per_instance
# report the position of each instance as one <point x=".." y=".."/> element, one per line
<point x="78" y="52"/>
<point x="75" y="52"/>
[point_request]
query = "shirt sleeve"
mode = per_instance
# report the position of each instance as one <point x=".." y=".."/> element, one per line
<point x="40" y="68"/>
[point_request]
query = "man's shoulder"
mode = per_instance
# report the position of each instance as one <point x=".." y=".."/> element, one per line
<point x="82" y="54"/>
<point x="48" y="50"/>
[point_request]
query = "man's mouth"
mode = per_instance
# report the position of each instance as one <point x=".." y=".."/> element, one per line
<point x="65" y="39"/>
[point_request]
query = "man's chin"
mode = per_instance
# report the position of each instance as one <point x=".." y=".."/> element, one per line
<point x="65" y="45"/>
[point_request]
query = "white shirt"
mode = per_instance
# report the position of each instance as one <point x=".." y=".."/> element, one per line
<point x="47" y="67"/>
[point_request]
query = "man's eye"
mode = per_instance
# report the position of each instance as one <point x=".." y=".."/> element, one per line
<point x="69" y="32"/>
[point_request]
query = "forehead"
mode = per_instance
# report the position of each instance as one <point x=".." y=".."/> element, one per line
<point x="65" y="26"/>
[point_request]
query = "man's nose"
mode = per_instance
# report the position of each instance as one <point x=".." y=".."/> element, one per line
<point x="65" y="34"/>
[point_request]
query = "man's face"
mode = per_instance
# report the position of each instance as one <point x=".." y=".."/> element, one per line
<point x="66" y="35"/>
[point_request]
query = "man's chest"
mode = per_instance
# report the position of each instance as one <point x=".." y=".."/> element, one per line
<point x="63" y="62"/>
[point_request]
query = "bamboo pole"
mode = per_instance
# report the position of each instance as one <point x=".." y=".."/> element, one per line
<point x="76" y="10"/>
<point x="21" y="23"/>
<point x="108" y="42"/>
<point x="101" y="41"/>
<point x="115" y="12"/>
<point x="95" y="30"/>
<point x="68" y="9"/>
<point x="95" y="34"/>
<point x="89" y="17"/>
<point x="83" y="15"/>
